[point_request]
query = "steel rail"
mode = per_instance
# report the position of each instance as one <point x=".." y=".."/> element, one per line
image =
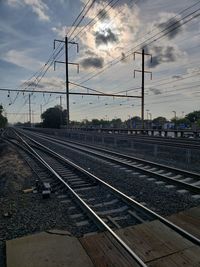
<point x="190" y="187"/>
<point x="173" y="226"/>
<point x="82" y="202"/>
<point x="163" y="141"/>
<point x="184" y="172"/>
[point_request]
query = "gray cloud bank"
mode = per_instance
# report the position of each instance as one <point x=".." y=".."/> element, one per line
<point x="92" y="62"/>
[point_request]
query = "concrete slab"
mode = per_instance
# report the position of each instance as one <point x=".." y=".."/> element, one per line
<point x="55" y="249"/>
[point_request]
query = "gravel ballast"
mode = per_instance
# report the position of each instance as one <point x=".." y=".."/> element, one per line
<point x="26" y="213"/>
<point x="163" y="200"/>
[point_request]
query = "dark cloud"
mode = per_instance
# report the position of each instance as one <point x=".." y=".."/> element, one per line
<point x="123" y="57"/>
<point x="90" y="53"/>
<point x="47" y="83"/>
<point x="105" y="37"/>
<point x="92" y="62"/>
<point x="118" y="3"/>
<point x="177" y="77"/>
<point x="103" y="15"/>
<point x="35" y="84"/>
<point x="169" y="25"/>
<point x="155" y="91"/>
<point x="163" y="54"/>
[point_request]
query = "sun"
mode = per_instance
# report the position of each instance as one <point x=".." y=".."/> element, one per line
<point x="106" y="34"/>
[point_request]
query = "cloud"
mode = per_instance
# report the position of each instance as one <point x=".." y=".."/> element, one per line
<point x="123" y="56"/>
<point x="14" y="3"/>
<point x="90" y="53"/>
<point x="155" y="91"/>
<point x="177" y="76"/>
<point x="92" y="62"/>
<point x="22" y="59"/>
<point x="48" y="83"/>
<point x="193" y="70"/>
<point x="170" y="24"/>
<point x="103" y="15"/>
<point x="164" y="54"/>
<point x="60" y="31"/>
<point x="37" y="6"/>
<point x="124" y="59"/>
<point x="105" y="37"/>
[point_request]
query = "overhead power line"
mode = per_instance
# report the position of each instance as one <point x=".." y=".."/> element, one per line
<point x="86" y="12"/>
<point x="150" y="40"/>
<point x="77" y="18"/>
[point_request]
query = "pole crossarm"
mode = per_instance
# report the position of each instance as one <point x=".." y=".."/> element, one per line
<point x="56" y="40"/>
<point x="70" y="63"/>
<point x="110" y="95"/>
<point x="71" y="93"/>
<point x="145" y="71"/>
<point x="85" y="87"/>
<point x="75" y="43"/>
<point x="32" y="91"/>
<point x="140" y="53"/>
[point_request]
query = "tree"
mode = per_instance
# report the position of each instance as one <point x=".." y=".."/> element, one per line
<point x="54" y="117"/>
<point x="193" y="116"/>
<point x="181" y="121"/>
<point x="116" y="123"/>
<point x="95" y="122"/>
<point x="159" y="120"/>
<point x="3" y="120"/>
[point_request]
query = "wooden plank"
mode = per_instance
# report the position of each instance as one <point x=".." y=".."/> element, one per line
<point x="188" y="220"/>
<point x="105" y="251"/>
<point x="188" y="258"/>
<point x="153" y="240"/>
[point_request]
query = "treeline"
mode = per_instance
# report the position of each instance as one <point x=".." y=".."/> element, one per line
<point x="3" y="120"/>
<point x="55" y="117"/>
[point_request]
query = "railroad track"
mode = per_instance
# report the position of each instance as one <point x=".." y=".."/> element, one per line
<point x="154" y="172"/>
<point x="163" y="141"/>
<point x="105" y="205"/>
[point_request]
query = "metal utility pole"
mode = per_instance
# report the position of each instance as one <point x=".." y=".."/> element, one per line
<point x="174" y="114"/>
<point x="41" y="112"/>
<point x="66" y="42"/>
<point x="67" y="78"/>
<point x="61" y="101"/>
<point x="147" y="110"/>
<point x="142" y="88"/>
<point x="142" y="104"/>
<point x="33" y="117"/>
<point x="174" y="117"/>
<point x="150" y="116"/>
<point x="40" y="109"/>
<point x="29" y="102"/>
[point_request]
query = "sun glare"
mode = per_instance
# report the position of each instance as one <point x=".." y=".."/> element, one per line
<point x="105" y="28"/>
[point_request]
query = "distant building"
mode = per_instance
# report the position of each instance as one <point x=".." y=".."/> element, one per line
<point x="168" y="125"/>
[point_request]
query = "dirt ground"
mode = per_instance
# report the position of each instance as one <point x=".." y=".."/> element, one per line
<point x="14" y="177"/>
<point x="25" y="213"/>
<point x="14" y="174"/>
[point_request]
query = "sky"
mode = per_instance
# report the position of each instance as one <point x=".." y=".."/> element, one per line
<point x="108" y="33"/>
